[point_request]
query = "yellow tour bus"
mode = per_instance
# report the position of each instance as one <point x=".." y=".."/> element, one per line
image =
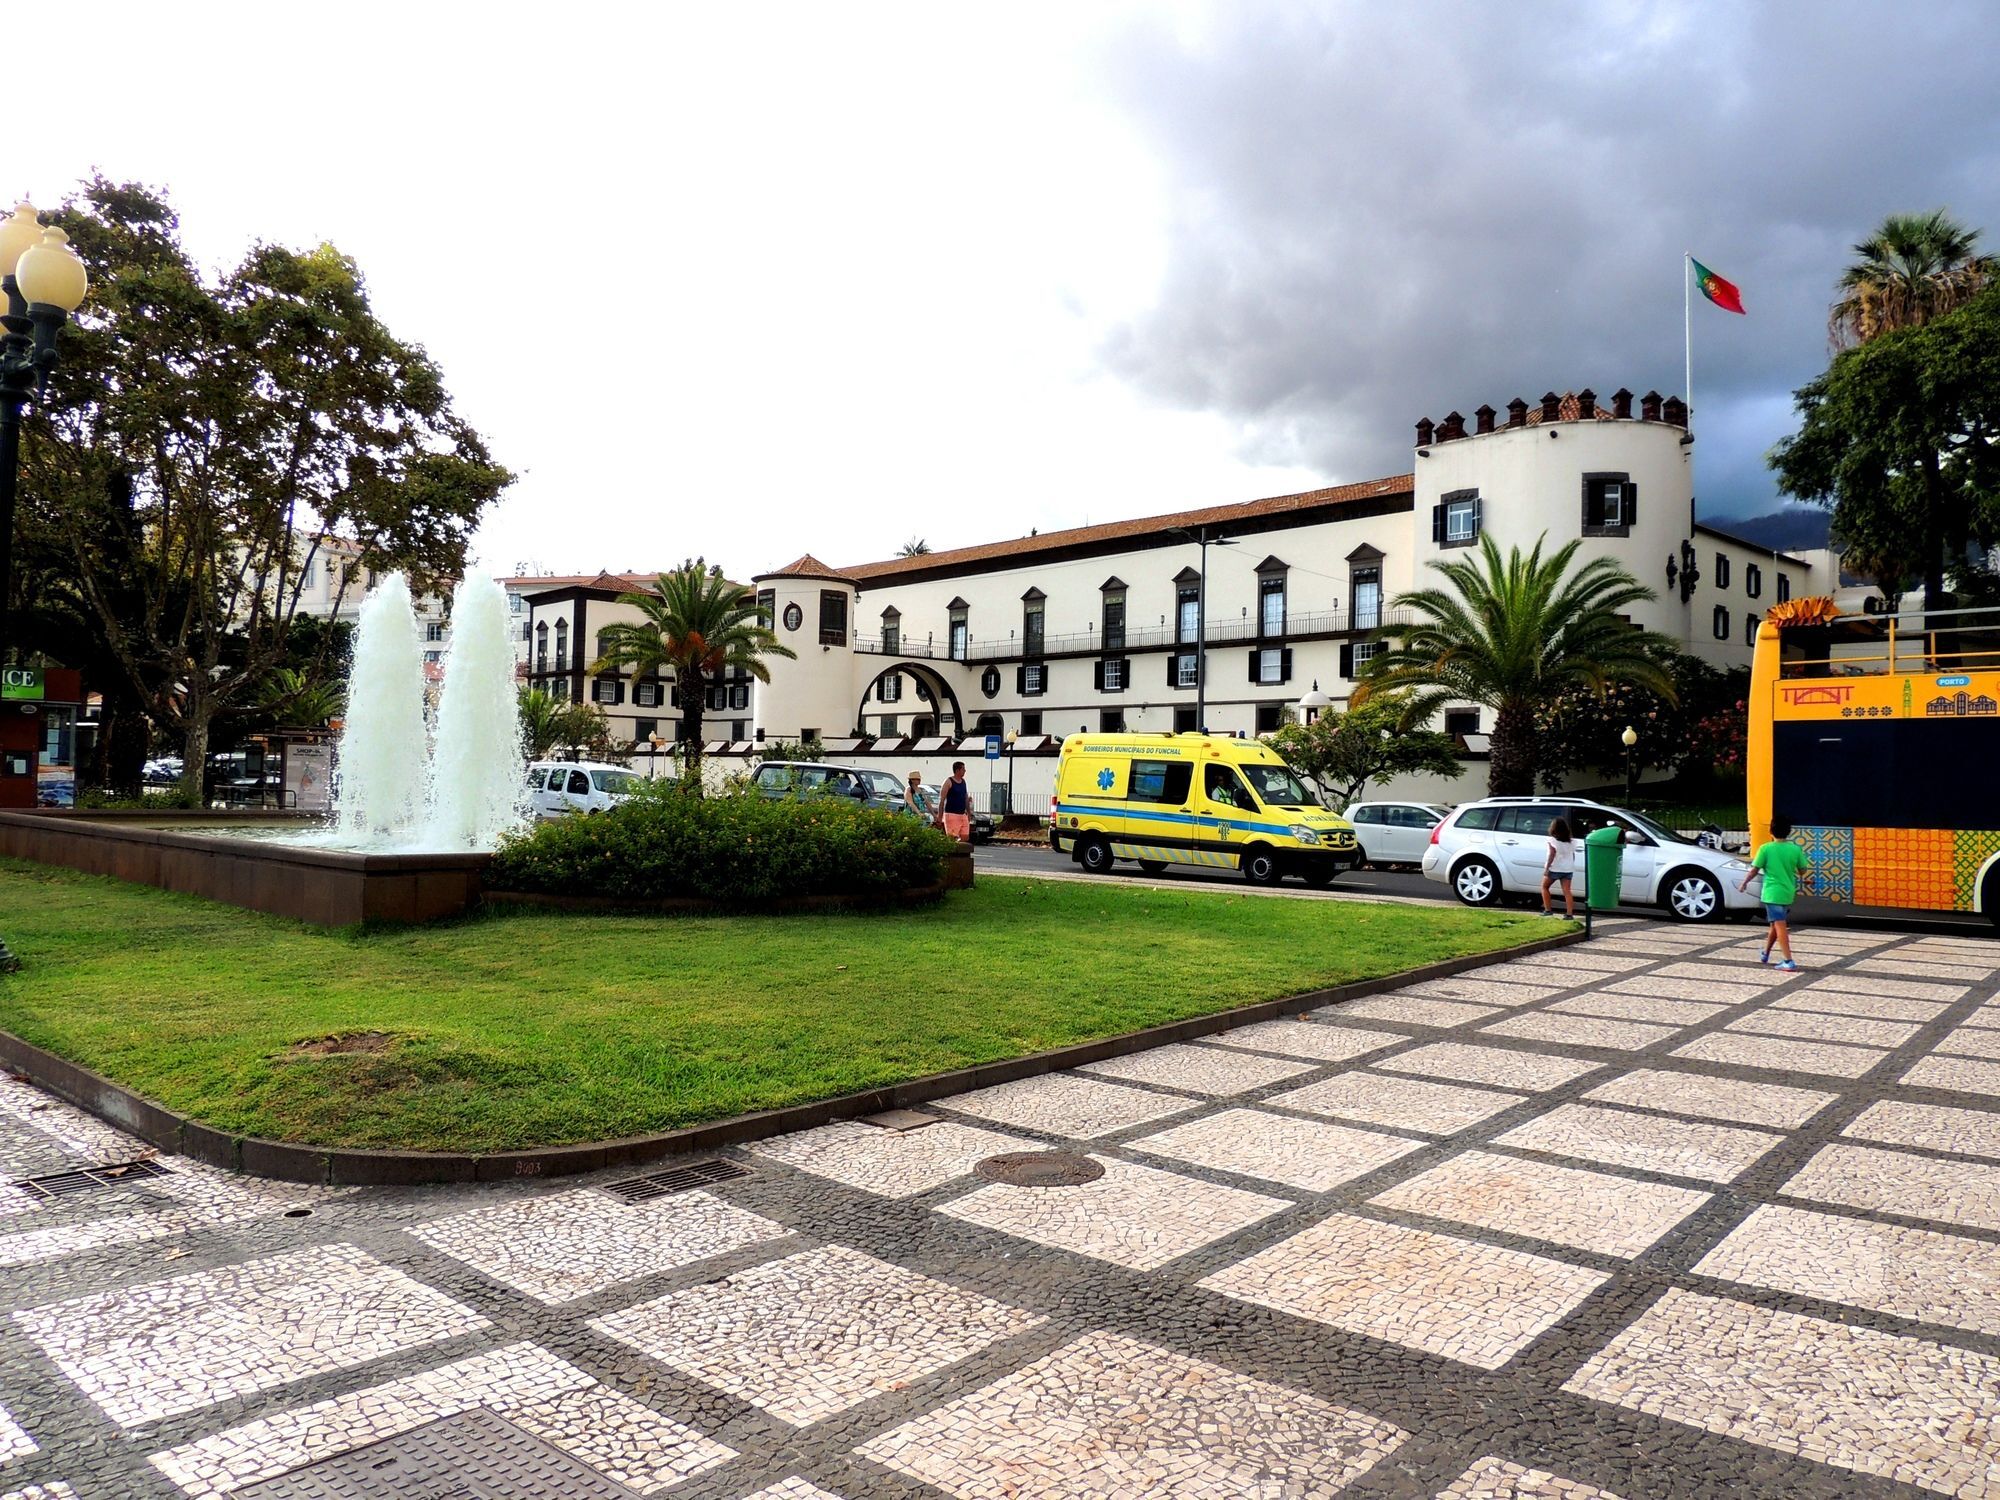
<point x="1877" y="736"/>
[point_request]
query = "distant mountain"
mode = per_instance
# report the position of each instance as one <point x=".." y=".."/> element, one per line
<point x="1790" y="528"/>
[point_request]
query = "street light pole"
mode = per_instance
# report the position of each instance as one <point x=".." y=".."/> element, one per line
<point x="1630" y="739"/>
<point x="1202" y="540"/>
<point x="44" y="284"/>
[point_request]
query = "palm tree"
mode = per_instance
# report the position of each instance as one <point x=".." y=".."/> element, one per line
<point x="698" y="625"/>
<point x="916" y="546"/>
<point x="542" y="721"/>
<point x="1511" y="633"/>
<point x="1913" y="269"/>
<point x="294" y="698"/>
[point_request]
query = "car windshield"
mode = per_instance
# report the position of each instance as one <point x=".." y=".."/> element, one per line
<point x="1276" y="787"/>
<point x="1664" y="835"/>
<point x="882" y="784"/>
<point x="618" y="783"/>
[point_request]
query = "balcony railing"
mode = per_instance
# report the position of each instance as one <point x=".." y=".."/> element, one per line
<point x="1299" y="626"/>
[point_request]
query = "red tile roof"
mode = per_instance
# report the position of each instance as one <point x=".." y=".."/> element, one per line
<point x="621" y="581"/>
<point x="807" y="567"/>
<point x="1049" y="541"/>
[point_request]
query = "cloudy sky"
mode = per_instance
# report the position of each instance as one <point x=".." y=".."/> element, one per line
<point x="753" y="280"/>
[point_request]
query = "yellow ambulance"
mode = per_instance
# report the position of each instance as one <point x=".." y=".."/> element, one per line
<point x="1194" y="799"/>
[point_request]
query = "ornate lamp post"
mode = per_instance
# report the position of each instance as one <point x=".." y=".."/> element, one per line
<point x="43" y="285"/>
<point x="1630" y="740"/>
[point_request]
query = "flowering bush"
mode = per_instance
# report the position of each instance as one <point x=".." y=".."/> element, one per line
<point x="664" y="843"/>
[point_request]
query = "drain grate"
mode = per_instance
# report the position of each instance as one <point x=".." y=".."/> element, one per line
<point x="472" y="1456"/>
<point x="1040" y="1169"/>
<point x="676" y="1180"/>
<point x="89" y="1179"/>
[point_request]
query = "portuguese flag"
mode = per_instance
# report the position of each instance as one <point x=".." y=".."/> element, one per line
<point x="1722" y="293"/>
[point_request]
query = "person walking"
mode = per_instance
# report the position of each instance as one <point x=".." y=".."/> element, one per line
<point x="956" y="808"/>
<point x="1559" y="869"/>
<point x="913" y="796"/>
<point x="1781" y="862"/>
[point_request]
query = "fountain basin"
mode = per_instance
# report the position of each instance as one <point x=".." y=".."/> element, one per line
<point x="331" y="888"/>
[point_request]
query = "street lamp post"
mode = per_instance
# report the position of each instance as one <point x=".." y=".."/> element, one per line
<point x="1202" y="540"/>
<point x="1630" y="739"/>
<point x="43" y="285"/>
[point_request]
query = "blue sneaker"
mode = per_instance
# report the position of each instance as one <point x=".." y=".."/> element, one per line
<point x="1785" y="965"/>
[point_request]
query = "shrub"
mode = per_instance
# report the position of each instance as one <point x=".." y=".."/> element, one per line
<point x="664" y="843"/>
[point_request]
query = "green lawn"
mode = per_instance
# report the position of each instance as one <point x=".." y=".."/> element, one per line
<point x="524" y="1028"/>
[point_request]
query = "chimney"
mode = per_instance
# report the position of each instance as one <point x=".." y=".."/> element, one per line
<point x="1551" y="407"/>
<point x="1586" y="404"/>
<point x="1454" y="427"/>
<point x="1674" y="412"/>
<point x="1485" y="414"/>
<point x="1621" y="404"/>
<point x="1649" y="407"/>
<point x="1425" y="431"/>
<point x="1517" y="413"/>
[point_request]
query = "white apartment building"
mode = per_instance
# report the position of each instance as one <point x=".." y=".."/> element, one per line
<point x="1123" y="627"/>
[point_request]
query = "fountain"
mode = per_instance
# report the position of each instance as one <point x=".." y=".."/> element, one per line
<point x="415" y="814"/>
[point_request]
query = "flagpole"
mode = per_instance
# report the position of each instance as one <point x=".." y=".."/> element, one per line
<point x="1687" y="332"/>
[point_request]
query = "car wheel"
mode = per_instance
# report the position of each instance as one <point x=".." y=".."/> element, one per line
<point x="1153" y="866"/>
<point x="1476" y="882"/>
<point x="1693" y="896"/>
<point x="1095" y="856"/>
<point x="1260" y="866"/>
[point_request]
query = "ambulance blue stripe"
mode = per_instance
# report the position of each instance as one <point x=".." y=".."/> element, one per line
<point x="1127" y="810"/>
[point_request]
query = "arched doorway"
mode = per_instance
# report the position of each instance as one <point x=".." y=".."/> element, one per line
<point x="942" y="713"/>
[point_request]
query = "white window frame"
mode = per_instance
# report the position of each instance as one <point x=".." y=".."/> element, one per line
<point x="1114" y="675"/>
<point x="1034" y="678"/>
<point x="1270" y="664"/>
<point x="1461" y="520"/>
<point x="1367" y="651"/>
<point x="1187" y="669"/>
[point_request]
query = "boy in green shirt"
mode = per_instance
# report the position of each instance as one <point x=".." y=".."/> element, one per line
<point x="1782" y="862"/>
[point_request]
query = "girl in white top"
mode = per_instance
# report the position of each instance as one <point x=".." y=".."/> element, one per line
<point x="1559" y="869"/>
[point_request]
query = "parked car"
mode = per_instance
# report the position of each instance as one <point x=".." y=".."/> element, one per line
<point x="1496" y="846"/>
<point x="1395" y="833"/>
<point x="162" y="770"/>
<point x="556" y="787"/>
<point x="818" y="778"/>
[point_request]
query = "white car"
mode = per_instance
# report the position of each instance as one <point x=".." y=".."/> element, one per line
<point x="556" y="787"/>
<point x="1488" y="849"/>
<point x="1394" y="833"/>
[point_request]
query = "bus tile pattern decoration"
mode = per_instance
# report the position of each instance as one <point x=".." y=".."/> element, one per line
<point x="1970" y="851"/>
<point x="1830" y="876"/>
<point x="1908" y="867"/>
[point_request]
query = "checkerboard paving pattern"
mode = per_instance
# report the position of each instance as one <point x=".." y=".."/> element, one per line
<point x="529" y="1386"/>
<point x="1497" y="1479"/>
<point x="568" y="1245"/>
<point x="1414" y="1011"/>
<point x="1066" y="1104"/>
<point x="1159" y="1424"/>
<point x="1854" y="982"/>
<point x="1644" y="1142"/>
<point x="1913" y="1273"/>
<point x="1783" y="1055"/>
<point x="1196" y="1069"/>
<point x="1399" y="1103"/>
<point x="1581" y="1031"/>
<point x="1662" y="987"/>
<point x="1808" y="1386"/>
<point x="1483" y="988"/>
<point x="154" y="1350"/>
<point x="794" y="1488"/>
<point x="1544" y="1201"/>
<point x="54" y="1490"/>
<point x="1501" y="1067"/>
<point x="1962" y="1074"/>
<point x="1133" y="1215"/>
<point x="1812" y="1027"/>
<point x="832" y="1327"/>
<point x="14" y="1439"/>
<point x="1307" y="1039"/>
<point x="1475" y="1303"/>
<point x="890" y="1163"/>
<point x="1675" y="1013"/>
<point x="1899" y="1182"/>
<point x="1971" y="1041"/>
<point x="1313" y="1155"/>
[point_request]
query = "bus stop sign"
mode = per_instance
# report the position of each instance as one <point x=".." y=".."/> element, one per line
<point x="992" y="747"/>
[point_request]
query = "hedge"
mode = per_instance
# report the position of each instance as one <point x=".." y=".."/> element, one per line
<point x="664" y="843"/>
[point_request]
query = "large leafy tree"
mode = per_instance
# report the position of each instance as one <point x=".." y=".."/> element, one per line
<point x="1581" y="729"/>
<point x="201" y="436"/>
<point x="1511" y="633"/>
<point x="1374" y="740"/>
<point x="698" y="627"/>
<point x="1901" y="437"/>
<point x="1913" y="269"/>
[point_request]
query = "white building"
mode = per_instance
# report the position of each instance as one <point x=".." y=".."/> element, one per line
<point x="1121" y="626"/>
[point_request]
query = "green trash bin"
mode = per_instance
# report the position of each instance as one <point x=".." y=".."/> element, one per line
<point x="1603" y="867"/>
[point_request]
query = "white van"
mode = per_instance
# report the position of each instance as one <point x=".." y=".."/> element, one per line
<point x="556" y="787"/>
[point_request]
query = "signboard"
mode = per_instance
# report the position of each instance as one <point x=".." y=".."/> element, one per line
<point x="309" y="776"/>
<point x="992" y="747"/>
<point x="21" y="682"/>
<point x="1959" y="695"/>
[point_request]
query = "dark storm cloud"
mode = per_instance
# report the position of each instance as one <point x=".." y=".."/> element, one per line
<point x="1388" y="212"/>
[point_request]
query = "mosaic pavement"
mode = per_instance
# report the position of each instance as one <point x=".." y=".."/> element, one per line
<point x="1639" y="1219"/>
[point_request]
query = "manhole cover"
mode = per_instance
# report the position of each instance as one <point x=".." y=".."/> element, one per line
<point x="472" y="1456"/>
<point x="1041" y="1169"/>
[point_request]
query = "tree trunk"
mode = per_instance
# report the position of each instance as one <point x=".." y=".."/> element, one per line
<point x="1511" y="771"/>
<point x="194" y="756"/>
<point x="694" y="702"/>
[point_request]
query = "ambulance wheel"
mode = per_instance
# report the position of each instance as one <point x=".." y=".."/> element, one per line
<point x="1095" y="856"/>
<point x="1260" y="866"/>
<point x="1153" y="866"/>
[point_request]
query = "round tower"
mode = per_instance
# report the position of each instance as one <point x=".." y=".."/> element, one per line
<point x="810" y="608"/>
